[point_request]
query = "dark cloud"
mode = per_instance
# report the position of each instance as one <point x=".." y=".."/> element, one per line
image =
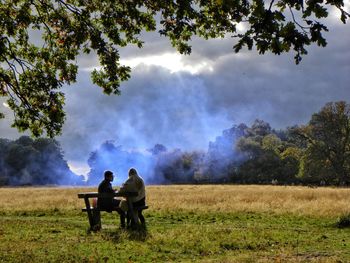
<point x="273" y="88"/>
<point x="155" y="107"/>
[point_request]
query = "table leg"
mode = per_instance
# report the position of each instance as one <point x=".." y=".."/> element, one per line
<point x="96" y="215"/>
<point x="89" y="212"/>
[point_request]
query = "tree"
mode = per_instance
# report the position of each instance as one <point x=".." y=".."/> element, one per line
<point x="21" y="160"/>
<point x="222" y="157"/>
<point x="4" y="144"/>
<point x="259" y="128"/>
<point x="269" y="157"/>
<point x="327" y="156"/>
<point x="176" y="166"/>
<point x="33" y="69"/>
<point x="272" y="143"/>
<point x="39" y="162"/>
<point x="157" y="149"/>
<point x="51" y="167"/>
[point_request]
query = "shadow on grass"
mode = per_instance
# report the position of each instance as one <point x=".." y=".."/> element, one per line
<point x="138" y="233"/>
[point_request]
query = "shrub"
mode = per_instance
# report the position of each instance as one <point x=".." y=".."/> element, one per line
<point x="343" y="221"/>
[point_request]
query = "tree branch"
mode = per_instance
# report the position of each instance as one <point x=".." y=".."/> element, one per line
<point x="296" y="22"/>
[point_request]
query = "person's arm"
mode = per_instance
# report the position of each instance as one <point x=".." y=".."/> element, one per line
<point x="127" y="186"/>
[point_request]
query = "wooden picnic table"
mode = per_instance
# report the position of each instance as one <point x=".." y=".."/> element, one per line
<point x="94" y="212"/>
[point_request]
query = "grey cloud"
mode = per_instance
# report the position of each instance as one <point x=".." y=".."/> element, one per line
<point x="278" y="91"/>
<point x="155" y="107"/>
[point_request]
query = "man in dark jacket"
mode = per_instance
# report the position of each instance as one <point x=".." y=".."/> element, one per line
<point x="109" y="203"/>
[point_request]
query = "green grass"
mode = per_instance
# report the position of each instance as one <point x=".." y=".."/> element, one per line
<point x="172" y="236"/>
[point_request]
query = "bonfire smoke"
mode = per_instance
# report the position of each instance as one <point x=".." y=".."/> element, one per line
<point x="159" y="165"/>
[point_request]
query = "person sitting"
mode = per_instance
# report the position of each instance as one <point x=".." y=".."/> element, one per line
<point x="134" y="183"/>
<point x="109" y="203"/>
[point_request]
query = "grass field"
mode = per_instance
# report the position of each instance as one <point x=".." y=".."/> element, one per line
<point x="185" y="223"/>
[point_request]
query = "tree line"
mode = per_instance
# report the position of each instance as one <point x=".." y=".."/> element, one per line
<point x="317" y="153"/>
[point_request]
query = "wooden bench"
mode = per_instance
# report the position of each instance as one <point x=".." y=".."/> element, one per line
<point x="96" y="216"/>
<point x="94" y="213"/>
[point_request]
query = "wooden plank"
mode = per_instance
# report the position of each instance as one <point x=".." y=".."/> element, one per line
<point x="106" y="195"/>
<point x="104" y="210"/>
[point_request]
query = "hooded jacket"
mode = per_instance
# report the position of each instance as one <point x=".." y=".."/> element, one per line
<point x="134" y="183"/>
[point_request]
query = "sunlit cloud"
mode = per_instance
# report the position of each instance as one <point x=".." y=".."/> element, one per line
<point x="173" y="62"/>
<point x="80" y="168"/>
<point x="241" y="27"/>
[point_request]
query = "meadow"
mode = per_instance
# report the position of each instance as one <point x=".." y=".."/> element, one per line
<point x="185" y="223"/>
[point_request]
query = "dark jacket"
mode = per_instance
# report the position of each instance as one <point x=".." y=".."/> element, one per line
<point x="105" y="203"/>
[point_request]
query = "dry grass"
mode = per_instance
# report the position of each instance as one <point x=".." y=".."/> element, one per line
<point x="328" y="202"/>
<point x="276" y="199"/>
<point x="40" y="198"/>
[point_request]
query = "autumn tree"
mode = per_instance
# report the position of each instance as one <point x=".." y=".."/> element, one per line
<point x="41" y="40"/>
<point x="269" y="156"/>
<point x="327" y="135"/>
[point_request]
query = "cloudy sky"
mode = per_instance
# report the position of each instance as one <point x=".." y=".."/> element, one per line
<point x="186" y="101"/>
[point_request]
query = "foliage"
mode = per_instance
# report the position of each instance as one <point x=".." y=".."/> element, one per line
<point x="259" y="128"/>
<point x="267" y="156"/>
<point x="41" y="40"/>
<point x="328" y="144"/>
<point x="317" y="154"/>
<point x="222" y="157"/>
<point x="34" y="162"/>
<point x="177" y="166"/>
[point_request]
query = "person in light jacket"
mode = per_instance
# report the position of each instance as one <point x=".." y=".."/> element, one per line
<point x="134" y="183"/>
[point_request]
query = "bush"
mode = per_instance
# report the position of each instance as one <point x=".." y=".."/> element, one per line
<point x="343" y="221"/>
<point x="3" y="180"/>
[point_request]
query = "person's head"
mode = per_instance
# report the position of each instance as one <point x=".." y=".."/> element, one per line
<point x="108" y="175"/>
<point x="132" y="172"/>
